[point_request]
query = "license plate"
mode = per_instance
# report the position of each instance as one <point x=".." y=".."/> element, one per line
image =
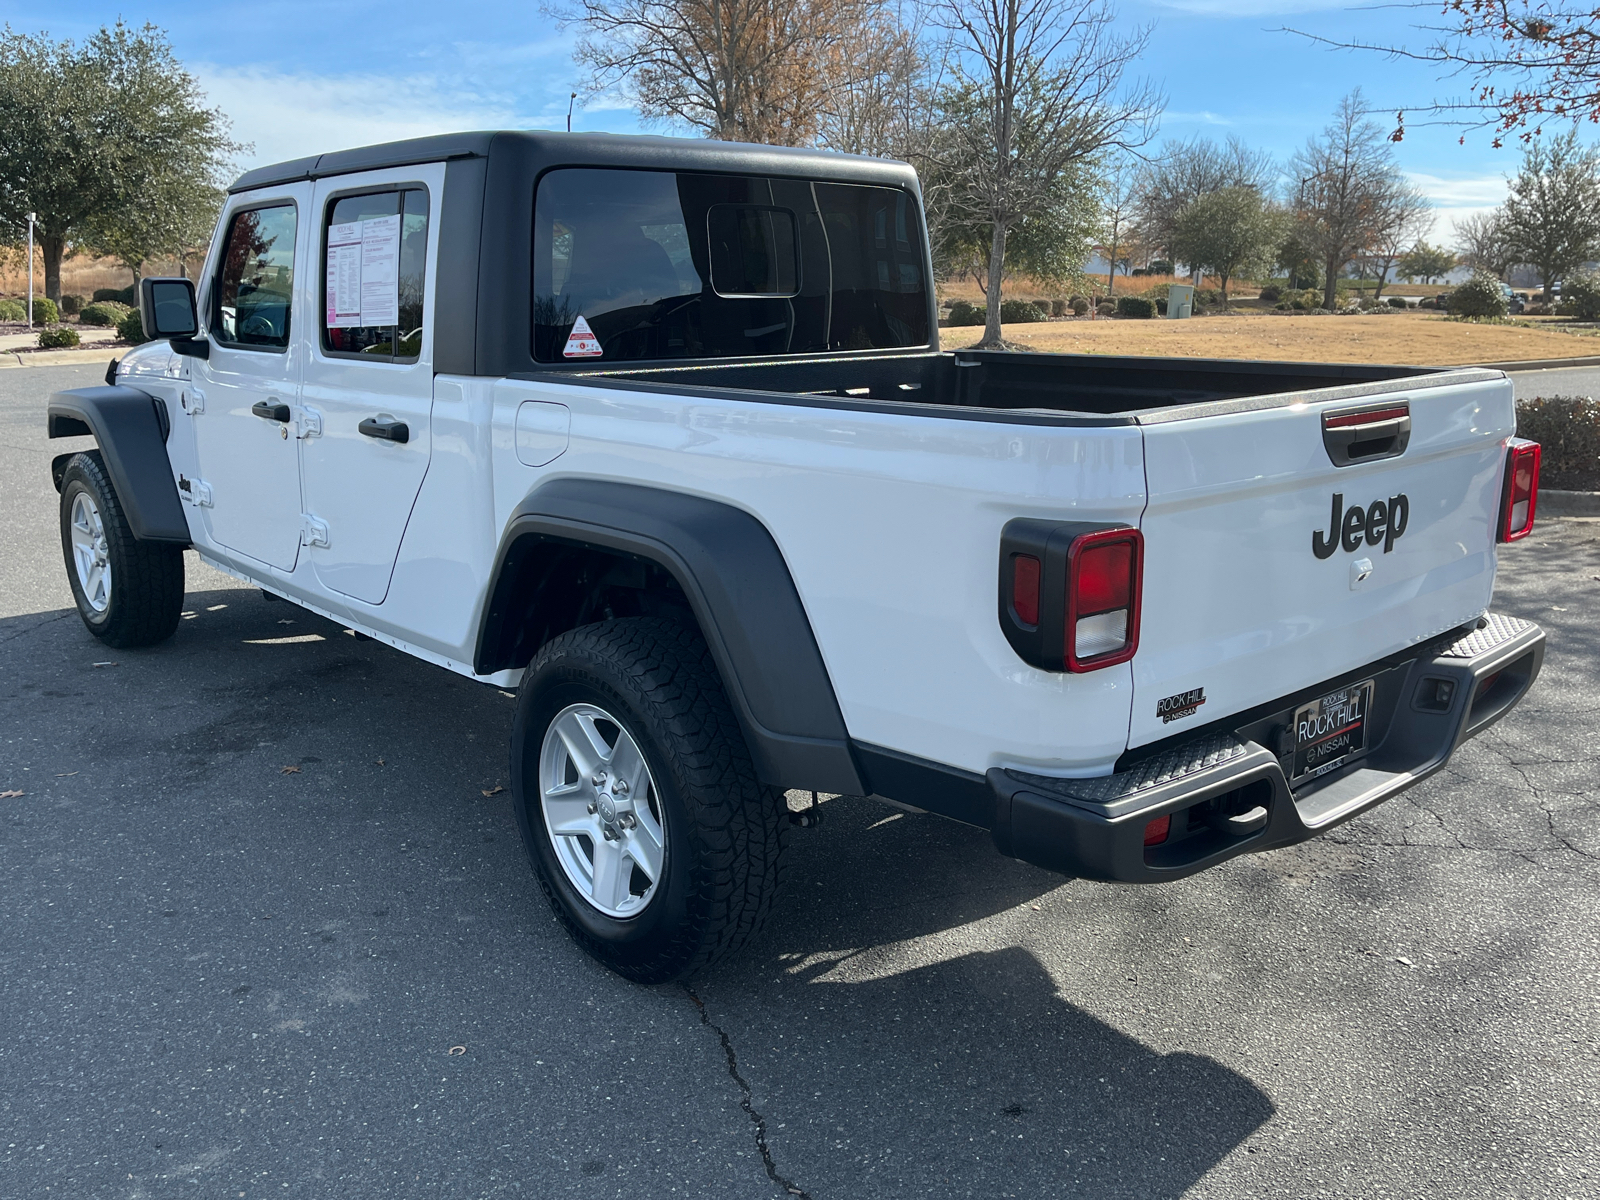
<point x="1332" y="731"/>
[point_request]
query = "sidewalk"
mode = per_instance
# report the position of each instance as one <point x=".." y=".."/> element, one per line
<point x="96" y="348"/>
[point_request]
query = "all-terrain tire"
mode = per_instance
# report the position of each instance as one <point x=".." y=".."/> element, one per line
<point x="724" y="828"/>
<point x="144" y="598"/>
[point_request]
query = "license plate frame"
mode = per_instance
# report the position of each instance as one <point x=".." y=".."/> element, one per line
<point x="1331" y="731"/>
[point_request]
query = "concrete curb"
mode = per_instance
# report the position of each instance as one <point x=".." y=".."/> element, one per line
<point x="60" y="358"/>
<point x="1541" y="364"/>
<point x="1553" y="503"/>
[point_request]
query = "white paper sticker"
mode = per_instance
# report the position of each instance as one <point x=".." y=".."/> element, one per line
<point x="581" y="342"/>
<point x="380" y="271"/>
<point x="363" y="282"/>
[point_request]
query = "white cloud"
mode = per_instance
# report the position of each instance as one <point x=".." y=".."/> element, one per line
<point x="292" y="116"/>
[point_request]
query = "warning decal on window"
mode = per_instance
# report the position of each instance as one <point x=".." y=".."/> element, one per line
<point x="581" y="342"/>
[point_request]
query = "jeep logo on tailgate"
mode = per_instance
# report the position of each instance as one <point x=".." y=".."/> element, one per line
<point x="1381" y="521"/>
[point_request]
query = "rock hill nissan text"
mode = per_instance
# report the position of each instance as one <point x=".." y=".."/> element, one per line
<point x="659" y="434"/>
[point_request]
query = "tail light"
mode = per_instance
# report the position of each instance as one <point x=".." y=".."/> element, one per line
<point x="1103" y="599"/>
<point x="1069" y="593"/>
<point x="1521" y="490"/>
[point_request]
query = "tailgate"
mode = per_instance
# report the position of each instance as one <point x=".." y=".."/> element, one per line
<point x="1242" y="605"/>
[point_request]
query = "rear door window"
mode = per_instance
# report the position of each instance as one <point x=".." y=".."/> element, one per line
<point x="632" y="265"/>
<point x="255" y="284"/>
<point x="374" y="259"/>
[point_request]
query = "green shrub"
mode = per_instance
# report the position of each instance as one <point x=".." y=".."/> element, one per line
<point x="1568" y="429"/>
<point x="1105" y="309"/>
<point x="1020" y="312"/>
<point x="71" y="305"/>
<point x="1135" y="306"/>
<point x="1479" y="297"/>
<point x="1160" y="266"/>
<point x="1058" y="308"/>
<point x="103" y="312"/>
<point x="1398" y="302"/>
<point x="1079" y="306"/>
<point x="1580" y="296"/>
<point x="963" y="313"/>
<point x="13" y="310"/>
<point x="1207" y="297"/>
<point x="1271" y="294"/>
<point x="131" y="328"/>
<point x="58" y="339"/>
<point x="45" y="311"/>
<point x="127" y="295"/>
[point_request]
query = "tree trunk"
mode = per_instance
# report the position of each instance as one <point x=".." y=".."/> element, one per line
<point x="1111" y="272"/>
<point x="1330" y="289"/>
<point x="1224" y="289"/>
<point x="52" y="247"/>
<point x="997" y="262"/>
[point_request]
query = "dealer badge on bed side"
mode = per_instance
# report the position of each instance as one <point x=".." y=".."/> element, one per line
<point x="1184" y="704"/>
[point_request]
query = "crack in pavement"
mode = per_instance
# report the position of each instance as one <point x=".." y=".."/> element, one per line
<point x="40" y="625"/>
<point x="756" y="1118"/>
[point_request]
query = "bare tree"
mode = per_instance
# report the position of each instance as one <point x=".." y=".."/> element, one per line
<point x="885" y="77"/>
<point x="1348" y="190"/>
<point x="1525" y="62"/>
<point x="1185" y="171"/>
<point x="1408" y="219"/>
<point x="738" y="70"/>
<point x="1120" y="207"/>
<point x="1551" y="218"/>
<point x="1043" y="81"/>
<point x="1481" y="241"/>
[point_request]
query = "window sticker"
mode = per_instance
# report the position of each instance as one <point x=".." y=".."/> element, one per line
<point x="364" y="272"/>
<point x="581" y="342"/>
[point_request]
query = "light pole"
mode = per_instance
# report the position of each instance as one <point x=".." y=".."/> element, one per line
<point x="571" y="100"/>
<point x="32" y="217"/>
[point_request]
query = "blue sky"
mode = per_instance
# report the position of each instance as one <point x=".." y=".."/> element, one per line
<point x="298" y="77"/>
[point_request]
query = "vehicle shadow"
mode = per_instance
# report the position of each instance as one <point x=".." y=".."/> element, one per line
<point x="975" y="1073"/>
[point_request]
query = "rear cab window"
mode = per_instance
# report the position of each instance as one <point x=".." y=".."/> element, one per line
<point x="637" y="264"/>
<point x="374" y="262"/>
<point x="252" y="305"/>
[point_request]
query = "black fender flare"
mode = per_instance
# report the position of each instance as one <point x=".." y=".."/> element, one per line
<point x="131" y="427"/>
<point x="739" y="586"/>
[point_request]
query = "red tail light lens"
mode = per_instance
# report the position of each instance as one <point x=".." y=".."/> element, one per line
<point x="1103" y="584"/>
<point x="1156" y="832"/>
<point x="1521" y="491"/>
<point x="1025" y="588"/>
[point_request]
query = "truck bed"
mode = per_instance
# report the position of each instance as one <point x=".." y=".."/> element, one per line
<point x="1088" y="385"/>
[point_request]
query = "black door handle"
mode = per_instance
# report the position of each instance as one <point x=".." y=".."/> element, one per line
<point x="385" y="429"/>
<point x="270" y="411"/>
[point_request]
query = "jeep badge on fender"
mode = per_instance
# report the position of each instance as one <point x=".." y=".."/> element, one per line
<point x="1378" y="522"/>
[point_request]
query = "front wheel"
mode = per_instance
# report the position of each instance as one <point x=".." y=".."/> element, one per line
<point x="638" y="804"/>
<point x="128" y="592"/>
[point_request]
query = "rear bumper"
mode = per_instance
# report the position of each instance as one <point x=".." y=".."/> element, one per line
<point x="1227" y="793"/>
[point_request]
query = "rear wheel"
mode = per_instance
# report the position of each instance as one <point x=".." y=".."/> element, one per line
<point x="652" y="837"/>
<point x="129" y="593"/>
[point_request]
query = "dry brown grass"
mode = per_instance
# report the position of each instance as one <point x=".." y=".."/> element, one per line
<point x="1404" y="338"/>
<point x="81" y="274"/>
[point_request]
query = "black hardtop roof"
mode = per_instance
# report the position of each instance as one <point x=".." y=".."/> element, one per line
<point x="588" y="149"/>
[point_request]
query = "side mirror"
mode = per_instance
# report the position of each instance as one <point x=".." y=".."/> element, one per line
<point x="167" y="310"/>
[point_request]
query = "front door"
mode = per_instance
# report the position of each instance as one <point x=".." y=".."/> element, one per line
<point x="368" y="388"/>
<point x="249" y="387"/>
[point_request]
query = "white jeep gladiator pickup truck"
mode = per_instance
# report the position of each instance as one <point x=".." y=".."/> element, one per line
<point x="659" y="433"/>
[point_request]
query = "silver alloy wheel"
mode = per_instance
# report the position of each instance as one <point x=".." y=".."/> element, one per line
<point x="91" y="552"/>
<point x="601" y="810"/>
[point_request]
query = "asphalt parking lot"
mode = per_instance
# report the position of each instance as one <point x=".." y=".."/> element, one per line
<point x="268" y="931"/>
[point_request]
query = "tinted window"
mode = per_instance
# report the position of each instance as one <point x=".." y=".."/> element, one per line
<point x="662" y="265"/>
<point x="374" y="257"/>
<point x="753" y="250"/>
<point x="256" y="281"/>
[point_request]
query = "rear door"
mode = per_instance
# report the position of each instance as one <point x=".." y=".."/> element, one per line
<point x="368" y="392"/>
<point x="1269" y="569"/>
